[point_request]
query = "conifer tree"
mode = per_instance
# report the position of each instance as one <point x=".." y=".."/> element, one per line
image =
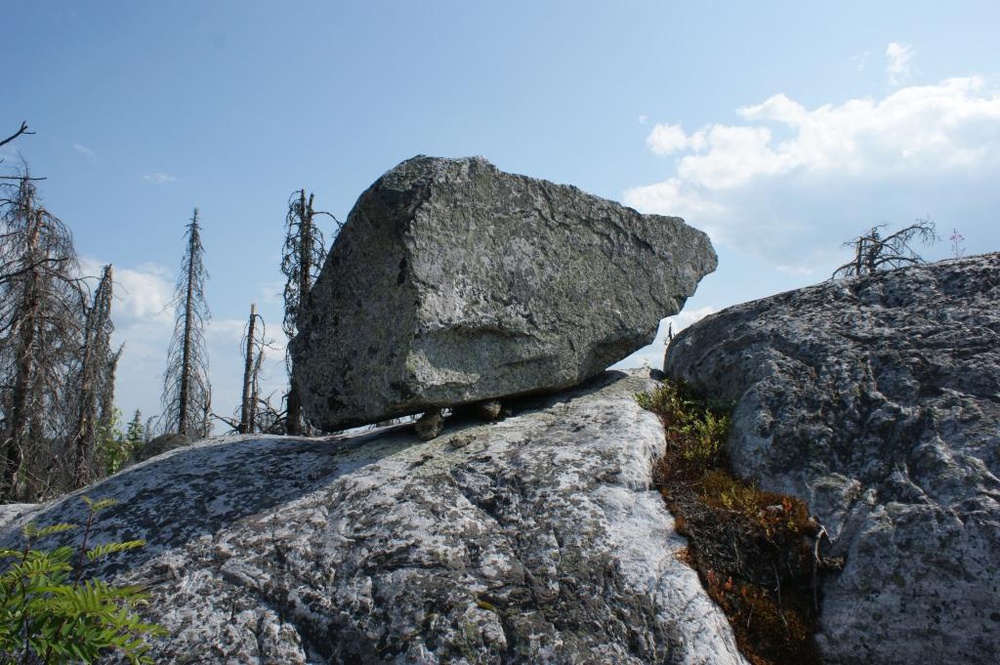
<point x="135" y="434"/>
<point x="304" y="253"/>
<point x="187" y="394"/>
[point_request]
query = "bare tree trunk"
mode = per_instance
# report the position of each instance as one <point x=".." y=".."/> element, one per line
<point x="295" y="422"/>
<point x="249" y="396"/>
<point x="20" y="409"/>
<point x="185" y="424"/>
<point x="96" y="383"/>
<point x="20" y="416"/>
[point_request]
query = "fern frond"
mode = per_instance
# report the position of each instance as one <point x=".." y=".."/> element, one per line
<point x="48" y="614"/>
<point x="32" y="531"/>
<point x="105" y="549"/>
<point x="99" y="505"/>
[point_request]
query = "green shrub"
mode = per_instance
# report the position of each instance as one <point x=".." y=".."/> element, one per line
<point x="49" y="613"/>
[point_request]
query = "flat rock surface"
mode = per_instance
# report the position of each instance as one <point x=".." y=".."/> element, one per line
<point x="877" y="400"/>
<point x="535" y="539"/>
<point x="452" y="282"/>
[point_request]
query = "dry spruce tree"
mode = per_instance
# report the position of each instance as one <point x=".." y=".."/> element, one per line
<point x="42" y="305"/>
<point x="301" y="261"/>
<point x="98" y="363"/>
<point x="256" y="413"/>
<point x="187" y="394"/>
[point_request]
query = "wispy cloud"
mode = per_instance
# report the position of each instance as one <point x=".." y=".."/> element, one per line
<point x="158" y="178"/>
<point x="861" y="61"/>
<point x="899" y="65"/>
<point x="86" y="152"/>
<point x="787" y="177"/>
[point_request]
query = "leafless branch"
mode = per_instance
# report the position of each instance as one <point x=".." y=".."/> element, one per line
<point x="875" y="253"/>
<point x="19" y="132"/>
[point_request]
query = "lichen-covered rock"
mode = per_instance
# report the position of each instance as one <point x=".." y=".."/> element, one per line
<point x="452" y="282"/>
<point x="536" y="539"/>
<point x="877" y="400"/>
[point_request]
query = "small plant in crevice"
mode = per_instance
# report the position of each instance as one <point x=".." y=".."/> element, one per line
<point x="51" y="613"/>
<point x="753" y="549"/>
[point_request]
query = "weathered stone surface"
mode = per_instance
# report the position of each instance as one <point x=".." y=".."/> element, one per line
<point x="878" y="401"/>
<point x="452" y="282"/>
<point x="536" y="539"/>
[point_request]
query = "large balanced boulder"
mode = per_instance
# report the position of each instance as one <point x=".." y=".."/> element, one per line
<point x="537" y="539"/>
<point x="877" y="399"/>
<point x="452" y="282"/>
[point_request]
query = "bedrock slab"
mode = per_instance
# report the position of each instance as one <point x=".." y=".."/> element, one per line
<point x="536" y="539"/>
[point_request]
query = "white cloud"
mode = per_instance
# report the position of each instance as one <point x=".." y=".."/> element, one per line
<point x="899" y="65"/>
<point x="954" y="124"/>
<point x="143" y="314"/>
<point x="145" y="293"/>
<point x="225" y="331"/>
<point x="652" y="355"/>
<point x="787" y="179"/>
<point x="158" y="178"/>
<point x="674" y="197"/>
<point x="643" y="118"/>
<point x="86" y="152"/>
<point x="668" y="139"/>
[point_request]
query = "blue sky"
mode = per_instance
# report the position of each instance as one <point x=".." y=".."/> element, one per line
<point x="781" y="128"/>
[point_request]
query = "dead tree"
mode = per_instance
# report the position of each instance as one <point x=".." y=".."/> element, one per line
<point x="187" y="393"/>
<point x="303" y="256"/>
<point x="20" y="132"/>
<point x="96" y="386"/>
<point x="253" y="358"/>
<point x="41" y="312"/>
<point x="875" y="253"/>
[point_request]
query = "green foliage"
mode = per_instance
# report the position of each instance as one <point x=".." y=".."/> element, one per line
<point x="50" y="614"/>
<point x="696" y="429"/>
<point x="115" y="447"/>
<point x="753" y="549"/>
